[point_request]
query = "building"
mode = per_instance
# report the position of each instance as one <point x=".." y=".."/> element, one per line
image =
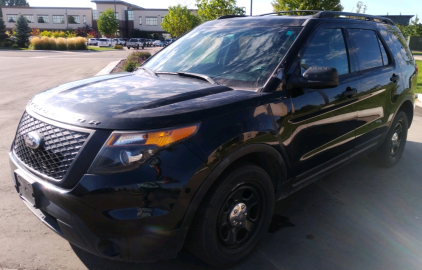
<point x="61" y="18"/>
<point x="399" y="19"/>
<point x="48" y="18"/>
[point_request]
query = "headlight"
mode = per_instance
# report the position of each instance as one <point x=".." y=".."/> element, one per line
<point x="126" y="151"/>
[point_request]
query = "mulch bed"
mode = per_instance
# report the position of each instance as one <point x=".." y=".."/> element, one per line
<point x="119" y="67"/>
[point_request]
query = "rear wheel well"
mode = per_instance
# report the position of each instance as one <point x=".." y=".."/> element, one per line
<point x="407" y="108"/>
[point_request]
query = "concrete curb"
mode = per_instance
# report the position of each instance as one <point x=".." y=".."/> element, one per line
<point x="109" y="68"/>
<point x="418" y="97"/>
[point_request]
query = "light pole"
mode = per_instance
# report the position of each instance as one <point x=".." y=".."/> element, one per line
<point x="251" y="7"/>
<point x="114" y="8"/>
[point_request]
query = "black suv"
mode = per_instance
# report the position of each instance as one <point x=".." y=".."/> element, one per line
<point x="196" y="145"/>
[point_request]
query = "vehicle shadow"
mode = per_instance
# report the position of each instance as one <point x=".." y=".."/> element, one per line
<point x="359" y="217"/>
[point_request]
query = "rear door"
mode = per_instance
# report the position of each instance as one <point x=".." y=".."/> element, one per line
<point x="381" y="78"/>
<point x="324" y="120"/>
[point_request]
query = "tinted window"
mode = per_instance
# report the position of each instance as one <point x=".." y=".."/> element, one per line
<point x="383" y="53"/>
<point x="367" y="48"/>
<point x="400" y="43"/>
<point x="327" y="49"/>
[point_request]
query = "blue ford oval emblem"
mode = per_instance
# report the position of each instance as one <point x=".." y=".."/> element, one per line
<point x="33" y="140"/>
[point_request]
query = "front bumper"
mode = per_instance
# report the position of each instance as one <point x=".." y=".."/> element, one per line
<point x="130" y="222"/>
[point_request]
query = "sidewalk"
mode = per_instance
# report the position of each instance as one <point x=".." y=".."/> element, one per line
<point x="418" y="57"/>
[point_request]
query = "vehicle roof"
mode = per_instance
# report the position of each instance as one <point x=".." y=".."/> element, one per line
<point x="273" y="19"/>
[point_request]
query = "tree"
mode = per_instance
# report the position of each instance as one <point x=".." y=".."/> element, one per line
<point x="413" y="29"/>
<point x="107" y="23"/>
<point x="179" y="20"/>
<point x="22" y="31"/>
<point x="5" y="3"/>
<point x="287" y="5"/>
<point x="83" y="31"/>
<point x="360" y="7"/>
<point x="212" y="9"/>
<point x="3" y="34"/>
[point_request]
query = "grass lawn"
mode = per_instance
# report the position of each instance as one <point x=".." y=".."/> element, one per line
<point x="416" y="52"/>
<point x="16" y="49"/>
<point x="419" y="86"/>
<point x="97" y="49"/>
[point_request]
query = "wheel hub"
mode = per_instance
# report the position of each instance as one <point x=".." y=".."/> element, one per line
<point x="238" y="215"/>
<point x="395" y="139"/>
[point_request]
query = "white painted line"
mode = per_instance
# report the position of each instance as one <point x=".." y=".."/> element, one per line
<point x="107" y="70"/>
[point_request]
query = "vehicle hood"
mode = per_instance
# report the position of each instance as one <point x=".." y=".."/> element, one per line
<point x="138" y="101"/>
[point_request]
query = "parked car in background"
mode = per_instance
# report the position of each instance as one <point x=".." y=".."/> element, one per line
<point x="158" y="43"/>
<point x="121" y="41"/>
<point x="92" y="42"/>
<point x="106" y="42"/>
<point x="135" y="43"/>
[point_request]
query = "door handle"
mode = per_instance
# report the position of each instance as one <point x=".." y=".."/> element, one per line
<point x="350" y="92"/>
<point x="395" y="78"/>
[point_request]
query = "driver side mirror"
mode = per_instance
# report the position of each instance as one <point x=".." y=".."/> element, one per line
<point x="316" y="78"/>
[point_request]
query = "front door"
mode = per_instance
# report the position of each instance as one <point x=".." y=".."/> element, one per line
<point x="323" y="120"/>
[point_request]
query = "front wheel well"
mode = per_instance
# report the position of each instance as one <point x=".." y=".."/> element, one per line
<point x="268" y="163"/>
<point x="407" y="108"/>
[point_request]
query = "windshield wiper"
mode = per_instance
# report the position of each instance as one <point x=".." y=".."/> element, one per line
<point x="196" y="75"/>
<point x="149" y="71"/>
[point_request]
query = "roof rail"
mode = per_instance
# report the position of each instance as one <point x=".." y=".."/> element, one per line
<point x="230" y="16"/>
<point x="290" y="11"/>
<point x="335" y="14"/>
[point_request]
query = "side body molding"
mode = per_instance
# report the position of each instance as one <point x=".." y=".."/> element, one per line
<point x="223" y="165"/>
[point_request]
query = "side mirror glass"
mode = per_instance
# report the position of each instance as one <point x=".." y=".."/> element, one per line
<point x="316" y="78"/>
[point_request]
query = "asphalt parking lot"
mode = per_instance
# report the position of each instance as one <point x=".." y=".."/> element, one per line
<point x="360" y="217"/>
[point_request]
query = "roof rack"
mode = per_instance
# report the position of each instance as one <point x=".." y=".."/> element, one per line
<point x="230" y="16"/>
<point x="290" y="11"/>
<point x="335" y="14"/>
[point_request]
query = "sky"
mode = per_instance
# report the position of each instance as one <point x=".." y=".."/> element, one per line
<point x="374" y="7"/>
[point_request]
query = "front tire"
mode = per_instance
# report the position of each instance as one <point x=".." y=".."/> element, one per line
<point x="233" y="217"/>
<point x="392" y="148"/>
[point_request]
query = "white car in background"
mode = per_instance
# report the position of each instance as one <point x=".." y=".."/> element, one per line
<point x="106" y="42"/>
<point x="93" y="41"/>
<point x="158" y="43"/>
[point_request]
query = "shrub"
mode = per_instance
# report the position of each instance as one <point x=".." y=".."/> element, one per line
<point x="36" y="43"/>
<point x="15" y="46"/>
<point x="45" y="43"/>
<point x="58" y="34"/>
<point x="61" y="44"/>
<point x="142" y="55"/>
<point x="45" y="34"/>
<point x="130" y="65"/>
<point x="118" y="47"/>
<point x="70" y="34"/>
<point x="134" y="60"/>
<point x="80" y="43"/>
<point x="71" y="44"/>
<point x="53" y="43"/>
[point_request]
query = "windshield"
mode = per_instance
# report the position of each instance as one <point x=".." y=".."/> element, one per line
<point x="233" y="55"/>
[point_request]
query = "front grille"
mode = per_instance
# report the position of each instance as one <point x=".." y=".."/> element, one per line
<point x="56" y="154"/>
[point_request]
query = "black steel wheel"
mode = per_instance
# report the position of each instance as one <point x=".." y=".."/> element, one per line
<point x="233" y="217"/>
<point x="392" y="148"/>
<point x="239" y="217"/>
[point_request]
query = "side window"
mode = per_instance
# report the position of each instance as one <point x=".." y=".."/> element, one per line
<point x="383" y="53"/>
<point x="327" y="49"/>
<point x="401" y="45"/>
<point x="367" y="48"/>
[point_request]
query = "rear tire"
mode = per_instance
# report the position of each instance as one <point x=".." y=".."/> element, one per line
<point x="390" y="152"/>
<point x="233" y="216"/>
